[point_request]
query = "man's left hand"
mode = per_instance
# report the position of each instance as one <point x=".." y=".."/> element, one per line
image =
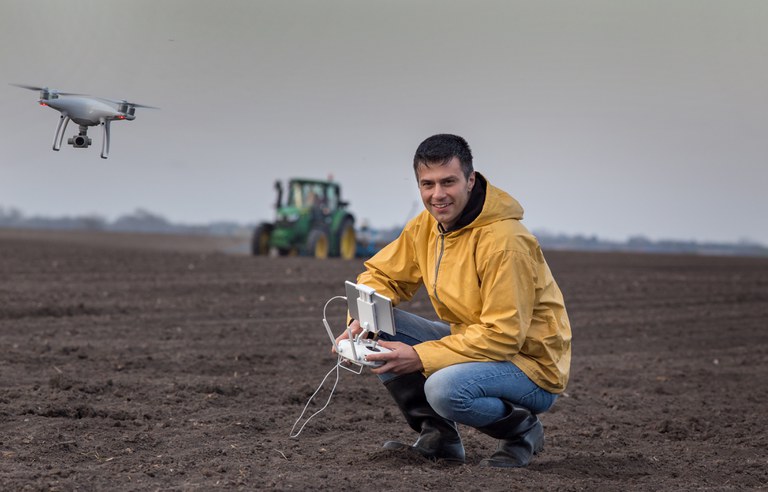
<point x="402" y="359"/>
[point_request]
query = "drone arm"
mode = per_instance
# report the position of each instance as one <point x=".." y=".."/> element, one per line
<point x="59" y="137"/>
<point x="105" y="140"/>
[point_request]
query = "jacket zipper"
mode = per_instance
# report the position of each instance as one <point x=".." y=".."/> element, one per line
<point x="437" y="264"/>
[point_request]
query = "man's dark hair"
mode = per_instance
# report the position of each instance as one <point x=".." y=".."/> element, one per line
<point x="441" y="149"/>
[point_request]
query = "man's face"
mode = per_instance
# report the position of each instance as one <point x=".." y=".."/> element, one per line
<point x="444" y="190"/>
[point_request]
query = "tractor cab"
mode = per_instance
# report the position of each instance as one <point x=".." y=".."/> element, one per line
<point x="311" y="194"/>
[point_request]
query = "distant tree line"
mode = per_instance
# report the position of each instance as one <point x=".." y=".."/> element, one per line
<point x="644" y="245"/>
<point x="139" y="221"/>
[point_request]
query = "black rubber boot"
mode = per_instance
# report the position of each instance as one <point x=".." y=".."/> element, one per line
<point x="438" y="437"/>
<point x="521" y="436"/>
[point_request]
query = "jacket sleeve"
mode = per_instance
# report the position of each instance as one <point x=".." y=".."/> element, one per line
<point x="508" y="292"/>
<point x="393" y="271"/>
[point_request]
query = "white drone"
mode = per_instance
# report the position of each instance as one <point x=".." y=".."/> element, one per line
<point x="85" y="111"/>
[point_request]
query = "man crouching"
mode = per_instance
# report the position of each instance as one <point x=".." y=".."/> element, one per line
<point x="500" y="353"/>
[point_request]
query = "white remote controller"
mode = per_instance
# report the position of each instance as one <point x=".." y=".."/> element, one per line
<point x="357" y="352"/>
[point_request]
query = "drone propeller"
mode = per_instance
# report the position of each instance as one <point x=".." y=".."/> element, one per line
<point x="30" y="87"/>
<point x="123" y="102"/>
<point x="46" y="90"/>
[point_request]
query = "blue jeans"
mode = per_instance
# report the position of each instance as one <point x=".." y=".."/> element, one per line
<point x="470" y="393"/>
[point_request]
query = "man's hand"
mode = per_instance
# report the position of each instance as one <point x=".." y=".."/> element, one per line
<point x="354" y="326"/>
<point x="401" y="360"/>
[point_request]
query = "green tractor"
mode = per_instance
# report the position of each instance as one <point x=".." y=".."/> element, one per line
<point x="313" y="221"/>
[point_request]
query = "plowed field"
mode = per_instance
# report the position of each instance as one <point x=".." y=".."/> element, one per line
<point x="138" y="362"/>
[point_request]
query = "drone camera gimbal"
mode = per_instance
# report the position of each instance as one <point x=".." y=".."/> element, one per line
<point x="81" y="140"/>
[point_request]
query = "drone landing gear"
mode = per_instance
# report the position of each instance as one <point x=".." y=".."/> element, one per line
<point x="59" y="137"/>
<point x="105" y="140"/>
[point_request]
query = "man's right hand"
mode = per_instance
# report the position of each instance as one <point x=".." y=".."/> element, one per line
<point x="354" y="326"/>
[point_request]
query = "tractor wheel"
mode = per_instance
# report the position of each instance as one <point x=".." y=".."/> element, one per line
<point x="317" y="244"/>
<point x="260" y="241"/>
<point x="346" y="242"/>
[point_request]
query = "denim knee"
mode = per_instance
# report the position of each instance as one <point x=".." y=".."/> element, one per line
<point x="443" y="397"/>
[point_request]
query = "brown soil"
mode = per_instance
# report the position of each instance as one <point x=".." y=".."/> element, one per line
<point x="157" y="362"/>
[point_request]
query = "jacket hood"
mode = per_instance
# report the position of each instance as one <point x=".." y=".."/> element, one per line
<point x="498" y="205"/>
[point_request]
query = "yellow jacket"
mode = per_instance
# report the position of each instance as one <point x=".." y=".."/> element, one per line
<point x="490" y="282"/>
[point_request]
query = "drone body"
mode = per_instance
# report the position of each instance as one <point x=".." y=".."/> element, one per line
<point x="85" y="111"/>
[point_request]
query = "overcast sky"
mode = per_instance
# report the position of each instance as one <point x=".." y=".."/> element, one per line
<point x="614" y="118"/>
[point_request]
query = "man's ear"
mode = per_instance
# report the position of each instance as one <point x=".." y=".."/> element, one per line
<point x="471" y="180"/>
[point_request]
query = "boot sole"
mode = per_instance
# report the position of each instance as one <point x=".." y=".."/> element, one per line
<point x="399" y="446"/>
